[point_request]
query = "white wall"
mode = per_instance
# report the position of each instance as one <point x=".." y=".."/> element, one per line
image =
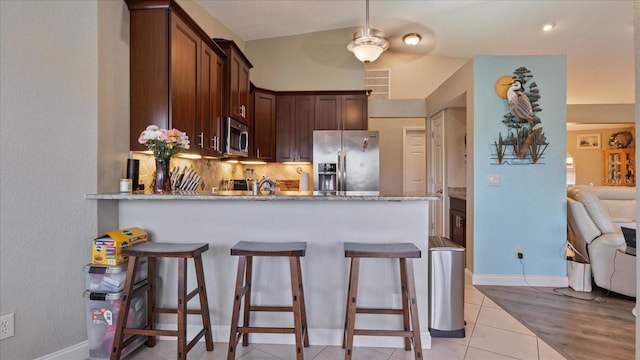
<point x="49" y="70"/>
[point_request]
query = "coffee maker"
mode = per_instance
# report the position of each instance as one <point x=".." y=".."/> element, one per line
<point x="327" y="177"/>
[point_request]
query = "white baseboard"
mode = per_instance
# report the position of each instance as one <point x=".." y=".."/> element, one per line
<point x="78" y="351"/>
<point x="519" y="280"/>
<point x="323" y="337"/>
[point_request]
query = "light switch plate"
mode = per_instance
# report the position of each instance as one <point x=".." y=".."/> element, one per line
<point x="494" y="180"/>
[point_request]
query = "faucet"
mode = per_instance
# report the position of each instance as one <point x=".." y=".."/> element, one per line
<point x="269" y="185"/>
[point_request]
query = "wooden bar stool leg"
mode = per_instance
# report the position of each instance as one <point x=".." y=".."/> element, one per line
<point x="204" y="305"/>
<point x="182" y="309"/>
<point x="237" y="300"/>
<point x="346" y="308"/>
<point x="352" y="306"/>
<point x="296" y="307"/>
<point x="151" y="298"/>
<point x="118" y="338"/>
<point x="247" y="299"/>
<point x="413" y="305"/>
<point x="303" y="307"/>
<point x="405" y="303"/>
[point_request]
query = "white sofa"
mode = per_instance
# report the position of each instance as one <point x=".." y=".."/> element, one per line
<point x="594" y="217"/>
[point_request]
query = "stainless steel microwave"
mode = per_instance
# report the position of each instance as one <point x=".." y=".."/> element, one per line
<point x="236" y="138"/>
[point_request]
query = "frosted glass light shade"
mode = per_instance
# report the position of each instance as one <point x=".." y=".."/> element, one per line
<point x="368" y="44"/>
<point x="367" y="53"/>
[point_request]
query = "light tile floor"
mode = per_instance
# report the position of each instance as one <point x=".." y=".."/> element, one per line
<point x="491" y="334"/>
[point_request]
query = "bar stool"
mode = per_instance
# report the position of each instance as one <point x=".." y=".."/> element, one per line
<point x="246" y="250"/>
<point x="153" y="250"/>
<point x="404" y="252"/>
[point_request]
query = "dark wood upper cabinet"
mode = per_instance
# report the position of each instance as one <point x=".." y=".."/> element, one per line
<point x="328" y="112"/>
<point x="355" y="114"/>
<point x="185" y="78"/>
<point x="212" y="102"/>
<point x="341" y="111"/>
<point x="305" y="111"/>
<point x="294" y="127"/>
<point x="175" y="75"/>
<point x="264" y="125"/>
<point x="237" y="80"/>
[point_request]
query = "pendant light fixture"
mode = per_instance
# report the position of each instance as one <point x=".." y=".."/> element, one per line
<point x="368" y="43"/>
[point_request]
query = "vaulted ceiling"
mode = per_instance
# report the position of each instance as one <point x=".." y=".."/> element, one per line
<point x="596" y="36"/>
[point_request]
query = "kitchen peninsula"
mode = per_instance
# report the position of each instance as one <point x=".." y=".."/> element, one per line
<point x="324" y="222"/>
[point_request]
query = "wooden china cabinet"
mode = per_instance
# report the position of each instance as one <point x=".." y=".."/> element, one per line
<point x="619" y="167"/>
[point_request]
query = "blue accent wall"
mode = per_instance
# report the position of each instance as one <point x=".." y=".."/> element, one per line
<point x="528" y="207"/>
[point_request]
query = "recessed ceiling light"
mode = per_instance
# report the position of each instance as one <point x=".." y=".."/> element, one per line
<point x="412" y="39"/>
<point x="548" y="27"/>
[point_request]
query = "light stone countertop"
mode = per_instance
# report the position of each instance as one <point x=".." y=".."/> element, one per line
<point x="458" y="192"/>
<point x="281" y="196"/>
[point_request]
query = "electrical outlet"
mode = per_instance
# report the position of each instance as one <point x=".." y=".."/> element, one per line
<point x="6" y="326"/>
<point x="519" y="252"/>
<point x="256" y="298"/>
<point x="397" y="300"/>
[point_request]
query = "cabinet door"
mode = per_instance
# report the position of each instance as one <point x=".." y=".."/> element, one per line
<point x="304" y="127"/>
<point x="457" y="227"/>
<point x="239" y="87"/>
<point x="285" y="128"/>
<point x="211" y="98"/>
<point x="185" y="81"/>
<point x="354" y="112"/>
<point x="328" y="112"/>
<point x="264" y="107"/>
<point x="244" y="94"/>
<point x="149" y="62"/>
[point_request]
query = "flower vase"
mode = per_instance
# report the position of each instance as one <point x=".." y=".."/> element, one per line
<point x="162" y="184"/>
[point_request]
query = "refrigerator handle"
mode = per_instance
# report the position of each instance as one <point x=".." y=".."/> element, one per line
<point x="344" y="171"/>
<point x="339" y="172"/>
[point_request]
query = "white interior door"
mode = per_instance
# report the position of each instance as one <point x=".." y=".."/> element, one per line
<point x="437" y="174"/>
<point x="414" y="161"/>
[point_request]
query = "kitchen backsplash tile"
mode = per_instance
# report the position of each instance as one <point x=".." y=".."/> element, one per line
<point x="213" y="172"/>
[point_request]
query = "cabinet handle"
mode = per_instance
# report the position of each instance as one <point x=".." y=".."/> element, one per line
<point x="213" y="143"/>
<point x="258" y="153"/>
<point x="201" y="140"/>
<point x="243" y="111"/>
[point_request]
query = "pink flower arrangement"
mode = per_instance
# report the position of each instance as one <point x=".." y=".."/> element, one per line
<point x="164" y="143"/>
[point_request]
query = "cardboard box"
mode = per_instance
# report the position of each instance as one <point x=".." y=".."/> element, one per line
<point x="106" y="250"/>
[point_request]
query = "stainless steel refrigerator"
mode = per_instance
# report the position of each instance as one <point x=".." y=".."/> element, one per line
<point x="346" y="161"/>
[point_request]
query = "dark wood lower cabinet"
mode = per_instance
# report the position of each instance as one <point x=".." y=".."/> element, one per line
<point x="457" y="221"/>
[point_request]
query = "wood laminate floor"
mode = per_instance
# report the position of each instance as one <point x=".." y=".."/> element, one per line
<point x="599" y="327"/>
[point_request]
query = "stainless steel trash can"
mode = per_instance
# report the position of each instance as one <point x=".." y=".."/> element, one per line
<point x="446" y="288"/>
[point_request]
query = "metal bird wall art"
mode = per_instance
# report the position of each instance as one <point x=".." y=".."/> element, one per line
<point x="524" y="137"/>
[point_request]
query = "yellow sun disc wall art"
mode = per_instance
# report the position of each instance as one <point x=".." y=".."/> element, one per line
<point x="502" y="85"/>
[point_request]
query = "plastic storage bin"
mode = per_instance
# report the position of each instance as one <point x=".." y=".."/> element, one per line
<point x="103" y="278"/>
<point x="102" y="317"/>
